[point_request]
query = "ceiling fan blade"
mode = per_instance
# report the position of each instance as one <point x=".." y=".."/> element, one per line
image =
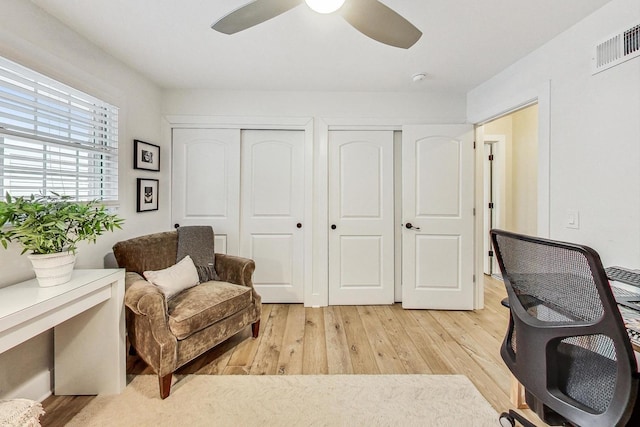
<point x="381" y="23"/>
<point x="252" y="14"/>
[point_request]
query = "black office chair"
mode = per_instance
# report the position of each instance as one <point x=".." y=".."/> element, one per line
<point x="566" y="342"/>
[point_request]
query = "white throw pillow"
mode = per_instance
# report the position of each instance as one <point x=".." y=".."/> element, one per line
<point x="176" y="278"/>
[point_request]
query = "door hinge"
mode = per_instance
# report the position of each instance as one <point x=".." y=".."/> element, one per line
<point x="490" y="157"/>
<point x="474" y="278"/>
<point x="490" y="253"/>
<point x="474" y="145"/>
<point x="474" y="211"/>
<point x="490" y="205"/>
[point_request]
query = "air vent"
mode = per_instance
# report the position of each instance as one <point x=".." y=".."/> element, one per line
<point x="617" y="49"/>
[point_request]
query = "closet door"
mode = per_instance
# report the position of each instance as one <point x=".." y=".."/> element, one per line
<point x="272" y="193"/>
<point x="206" y="183"/>
<point x="361" y="215"/>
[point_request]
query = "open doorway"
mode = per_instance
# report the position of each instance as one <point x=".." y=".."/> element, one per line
<point x="510" y="150"/>
<point x="494" y="180"/>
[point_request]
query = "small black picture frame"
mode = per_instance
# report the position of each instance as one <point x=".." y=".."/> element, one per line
<point x="147" y="195"/>
<point x="146" y="156"/>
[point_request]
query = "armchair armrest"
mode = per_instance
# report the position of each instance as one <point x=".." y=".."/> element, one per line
<point x="143" y="298"/>
<point x="148" y="325"/>
<point x="237" y="270"/>
<point x="234" y="269"/>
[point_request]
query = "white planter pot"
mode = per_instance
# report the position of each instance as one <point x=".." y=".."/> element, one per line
<point x="53" y="269"/>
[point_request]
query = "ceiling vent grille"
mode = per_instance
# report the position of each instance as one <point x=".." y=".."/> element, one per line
<point x="617" y="49"/>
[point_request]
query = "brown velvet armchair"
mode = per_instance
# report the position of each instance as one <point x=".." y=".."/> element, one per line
<point x="167" y="334"/>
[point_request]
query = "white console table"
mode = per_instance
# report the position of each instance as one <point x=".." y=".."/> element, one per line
<point x="87" y="315"/>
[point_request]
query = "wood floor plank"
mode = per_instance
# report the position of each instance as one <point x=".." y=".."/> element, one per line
<point x="266" y="359"/>
<point x="490" y="343"/>
<point x="493" y="323"/>
<point x="406" y="350"/>
<point x="494" y="315"/>
<point x="468" y="334"/>
<point x="59" y="410"/>
<point x="461" y="361"/>
<point x="478" y="345"/>
<point x="383" y="350"/>
<point x="290" y="360"/>
<point x="244" y="354"/>
<point x="236" y="370"/>
<point x="137" y="366"/>
<point x="360" y="351"/>
<point x="314" y="358"/>
<point x="216" y="360"/>
<point x="428" y="348"/>
<point x="338" y="358"/>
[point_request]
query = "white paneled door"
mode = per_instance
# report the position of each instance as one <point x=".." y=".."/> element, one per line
<point x="272" y="197"/>
<point x="361" y="238"/>
<point x="206" y="183"/>
<point x="437" y="194"/>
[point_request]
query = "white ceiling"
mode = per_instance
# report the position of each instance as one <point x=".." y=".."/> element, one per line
<point x="464" y="43"/>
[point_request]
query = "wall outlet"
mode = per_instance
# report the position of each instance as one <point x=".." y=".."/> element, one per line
<point x="572" y="219"/>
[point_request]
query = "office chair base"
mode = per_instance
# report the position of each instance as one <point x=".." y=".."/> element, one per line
<point x="508" y="419"/>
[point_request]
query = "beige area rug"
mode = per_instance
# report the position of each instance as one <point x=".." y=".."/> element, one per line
<point x="295" y="400"/>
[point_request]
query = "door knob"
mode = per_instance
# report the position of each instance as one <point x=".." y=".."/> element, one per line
<point x="411" y="227"/>
<point x="176" y="225"/>
<point x="333" y="226"/>
<point x="299" y="225"/>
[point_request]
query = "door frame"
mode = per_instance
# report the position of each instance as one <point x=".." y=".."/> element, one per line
<point x="499" y="144"/>
<point x="263" y="123"/>
<point x="497" y="107"/>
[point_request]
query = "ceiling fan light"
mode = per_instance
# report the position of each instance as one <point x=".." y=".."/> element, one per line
<point x="325" y="6"/>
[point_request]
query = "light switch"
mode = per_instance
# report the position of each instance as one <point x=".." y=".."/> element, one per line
<point x="573" y="219"/>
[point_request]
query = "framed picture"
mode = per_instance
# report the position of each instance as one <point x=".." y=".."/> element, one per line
<point x="147" y="195"/>
<point x="146" y="156"/>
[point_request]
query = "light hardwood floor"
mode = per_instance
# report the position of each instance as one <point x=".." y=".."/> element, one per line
<point x="295" y="340"/>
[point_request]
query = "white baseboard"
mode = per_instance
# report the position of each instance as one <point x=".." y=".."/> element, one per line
<point x="36" y="388"/>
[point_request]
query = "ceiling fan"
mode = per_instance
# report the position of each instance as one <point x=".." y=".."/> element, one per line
<point x="370" y="17"/>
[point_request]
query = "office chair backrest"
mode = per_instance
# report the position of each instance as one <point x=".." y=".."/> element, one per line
<point x="566" y="342"/>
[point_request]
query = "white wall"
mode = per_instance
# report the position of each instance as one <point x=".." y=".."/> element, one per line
<point x="414" y="107"/>
<point x="32" y="38"/>
<point x="594" y="131"/>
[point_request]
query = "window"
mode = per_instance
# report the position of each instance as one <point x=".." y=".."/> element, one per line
<point x="54" y="138"/>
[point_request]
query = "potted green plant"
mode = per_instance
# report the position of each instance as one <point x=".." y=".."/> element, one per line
<point x="49" y="227"/>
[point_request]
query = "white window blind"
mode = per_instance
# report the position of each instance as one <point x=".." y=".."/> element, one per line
<point x="54" y="138"/>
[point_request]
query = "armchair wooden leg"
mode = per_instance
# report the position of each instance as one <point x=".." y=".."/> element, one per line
<point x="165" y="385"/>
<point x="255" y="329"/>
